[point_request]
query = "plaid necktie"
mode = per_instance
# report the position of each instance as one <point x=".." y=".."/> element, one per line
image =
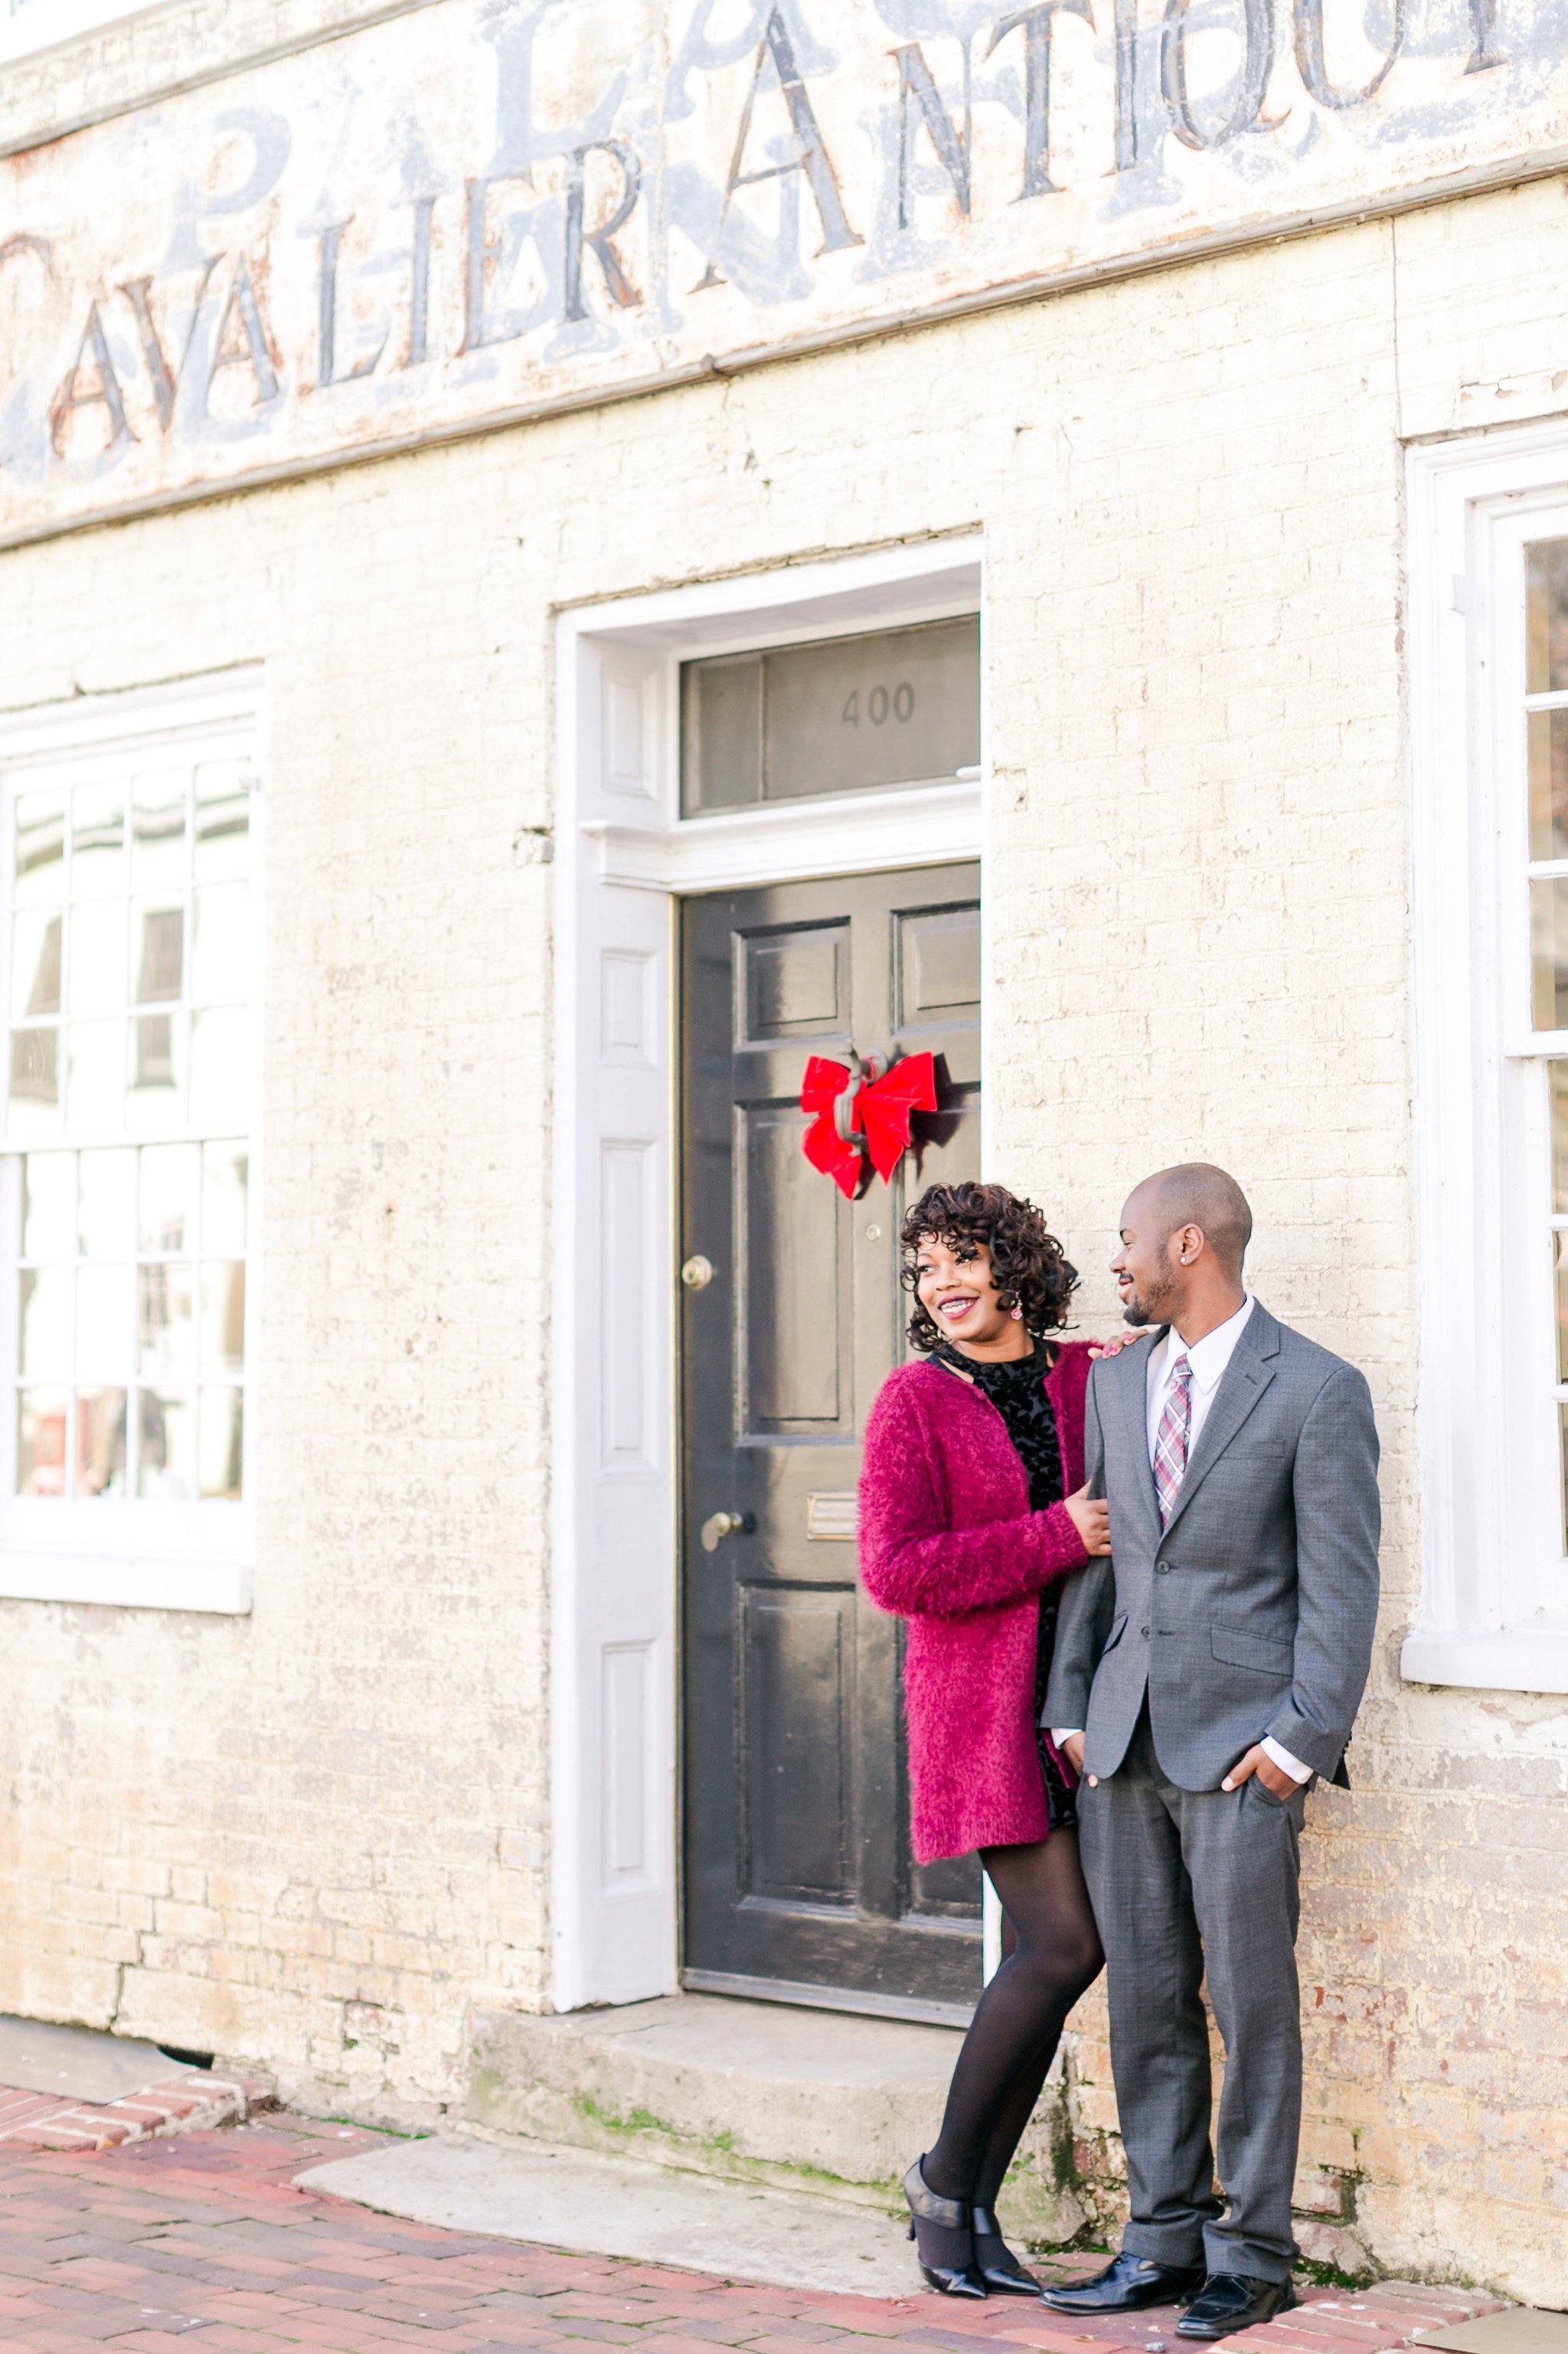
<point x="1171" y="1439"/>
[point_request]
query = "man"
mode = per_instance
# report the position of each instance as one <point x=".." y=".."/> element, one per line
<point x="1203" y="1676"/>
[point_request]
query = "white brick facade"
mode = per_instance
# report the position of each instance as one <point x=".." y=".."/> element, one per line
<point x="312" y="1836"/>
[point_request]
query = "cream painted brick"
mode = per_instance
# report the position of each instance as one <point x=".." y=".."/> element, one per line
<point x="335" y="1816"/>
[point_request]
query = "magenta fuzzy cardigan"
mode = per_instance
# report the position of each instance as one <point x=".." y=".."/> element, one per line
<point x="948" y="1541"/>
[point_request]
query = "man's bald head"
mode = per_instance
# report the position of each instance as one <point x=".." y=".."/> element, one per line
<point x="1196" y="1193"/>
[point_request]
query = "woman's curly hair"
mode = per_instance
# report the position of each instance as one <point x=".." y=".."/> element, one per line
<point x="1027" y="1262"/>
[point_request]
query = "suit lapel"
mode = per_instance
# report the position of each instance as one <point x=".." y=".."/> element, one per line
<point x="1242" y="1384"/>
<point x="1130" y="1371"/>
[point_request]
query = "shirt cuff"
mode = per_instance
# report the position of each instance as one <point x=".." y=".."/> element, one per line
<point x="1060" y="1733"/>
<point x="1284" y="1760"/>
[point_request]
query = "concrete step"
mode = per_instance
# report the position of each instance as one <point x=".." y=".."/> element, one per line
<point x="827" y="2103"/>
<point x="617" y="2207"/>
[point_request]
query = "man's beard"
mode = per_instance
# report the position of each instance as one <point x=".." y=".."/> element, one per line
<point x="1148" y="1308"/>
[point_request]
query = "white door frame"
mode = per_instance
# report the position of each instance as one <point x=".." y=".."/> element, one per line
<point x="623" y="856"/>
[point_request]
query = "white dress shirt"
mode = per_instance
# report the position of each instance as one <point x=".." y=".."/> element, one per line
<point x="1208" y="1359"/>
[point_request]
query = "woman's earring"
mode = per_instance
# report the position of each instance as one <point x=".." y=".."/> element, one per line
<point x="1017" y="1313"/>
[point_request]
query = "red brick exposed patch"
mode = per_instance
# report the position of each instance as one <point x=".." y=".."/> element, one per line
<point x="43" y="2121"/>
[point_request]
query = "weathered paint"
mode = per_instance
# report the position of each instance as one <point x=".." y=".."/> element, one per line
<point x="491" y="205"/>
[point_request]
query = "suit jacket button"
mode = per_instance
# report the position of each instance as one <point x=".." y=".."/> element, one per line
<point x="1162" y="1569"/>
<point x="1144" y="1632"/>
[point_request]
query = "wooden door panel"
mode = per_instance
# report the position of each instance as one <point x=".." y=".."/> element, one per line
<point x="793" y="1308"/>
<point x="797" y="1866"/>
<point x="796" y="1668"/>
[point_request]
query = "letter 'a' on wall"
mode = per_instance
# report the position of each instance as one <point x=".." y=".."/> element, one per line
<point x="841" y="716"/>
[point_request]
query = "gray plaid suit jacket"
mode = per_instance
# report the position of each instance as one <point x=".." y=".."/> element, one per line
<point x="1253" y="1612"/>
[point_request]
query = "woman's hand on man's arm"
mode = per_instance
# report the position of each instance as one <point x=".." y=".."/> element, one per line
<point x="1090" y="1515"/>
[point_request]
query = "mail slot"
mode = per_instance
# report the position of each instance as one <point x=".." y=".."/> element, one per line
<point x="834" y="1517"/>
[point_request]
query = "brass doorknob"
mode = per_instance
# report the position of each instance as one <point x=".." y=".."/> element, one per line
<point x="697" y="1273"/>
<point x="720" y="1525"/>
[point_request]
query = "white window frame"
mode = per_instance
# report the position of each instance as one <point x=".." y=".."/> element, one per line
<point x="1494" y="1608"/>
<point x="145" y="1555"/>
<point x="623" y="858"/>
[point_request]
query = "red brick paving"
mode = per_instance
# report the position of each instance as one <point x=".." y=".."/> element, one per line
<point x="45" y="2121"/>
<point x="200" y="2240"/>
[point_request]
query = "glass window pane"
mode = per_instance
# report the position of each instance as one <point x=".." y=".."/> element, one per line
<point x="48" y="1214"/>
<point x="106" y="1222"/>
<point x="100" y="1442"/>
<point x="225" y="1175"/>
<point x="45" y="1299"/>
<point x="223" y="1316"/>
<point x="160" y="951"/>
<point x="97" y="840"/>
<point x="165" y="1292"/>
<point x="157" y="1070"/>
<point x="170" y="1174"/>
<point x="96" y="1097"/>
<point x="895" y="707"/>
<point x="40" y="849"/>
<point x="41" y="1443"/>
<point x="222" y="1443"/>
<point x="158" y="830"/>
<point x="34" y="1074"/>
<point x="1549" y="955"/>
<point x="721" y="732"/>
<point x="98" y="958"/>
<point x="166" y="1428"/>
<point x="103" y="1313"/>
<point x="221" y="947"/>
<point x="1545" y="616"/>
<point x="222" y="820"/>
<point x="36" y="962"/>
<point x="221" y="1069"/>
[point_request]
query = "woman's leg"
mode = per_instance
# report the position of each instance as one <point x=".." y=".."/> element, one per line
<point x="1019" y="2018"/>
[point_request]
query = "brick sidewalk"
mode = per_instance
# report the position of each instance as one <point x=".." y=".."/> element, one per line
<point x="201" y="2239"/>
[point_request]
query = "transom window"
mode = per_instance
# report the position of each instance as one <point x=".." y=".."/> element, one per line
<point x="838" y="716"/>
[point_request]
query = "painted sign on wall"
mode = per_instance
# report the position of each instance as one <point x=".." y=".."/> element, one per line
<point x="488" y="207"/>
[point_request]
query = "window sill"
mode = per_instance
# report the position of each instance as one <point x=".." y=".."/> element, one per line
<point x="1518" y="1659"/>
<point x="125" y="1583"/>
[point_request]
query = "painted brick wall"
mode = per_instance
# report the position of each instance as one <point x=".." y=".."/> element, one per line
<point x="311" y="1837"/>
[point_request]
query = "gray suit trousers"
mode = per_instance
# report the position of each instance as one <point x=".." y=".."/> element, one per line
<point x="1181" y="1878"/>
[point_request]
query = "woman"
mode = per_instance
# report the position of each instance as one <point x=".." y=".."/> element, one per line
<point x="967" y="1530"/>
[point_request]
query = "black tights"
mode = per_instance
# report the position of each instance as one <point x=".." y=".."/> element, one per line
<point x="1055" y="1956"/>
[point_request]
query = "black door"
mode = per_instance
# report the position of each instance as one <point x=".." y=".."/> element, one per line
<point x="796" y="1854"/>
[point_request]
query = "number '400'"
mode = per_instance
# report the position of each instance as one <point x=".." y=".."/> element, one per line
<point x="879" y="704"/>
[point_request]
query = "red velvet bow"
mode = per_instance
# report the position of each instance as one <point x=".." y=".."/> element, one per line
<point x="877" y="1126"/>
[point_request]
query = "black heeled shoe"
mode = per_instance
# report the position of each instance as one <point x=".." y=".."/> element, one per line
<point x="951" y="2217"/>
<point x="995" y="2262"/>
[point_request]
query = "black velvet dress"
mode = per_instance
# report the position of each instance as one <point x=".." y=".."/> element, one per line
<point x="1016" y="1387"/>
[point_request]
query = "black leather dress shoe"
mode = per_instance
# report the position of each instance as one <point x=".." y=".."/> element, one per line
<point x="1232" y="2301"/>
<point x="1127" y="2284"/>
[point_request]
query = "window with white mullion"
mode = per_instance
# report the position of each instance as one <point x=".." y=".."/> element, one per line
<point x="128" y="1108"/>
